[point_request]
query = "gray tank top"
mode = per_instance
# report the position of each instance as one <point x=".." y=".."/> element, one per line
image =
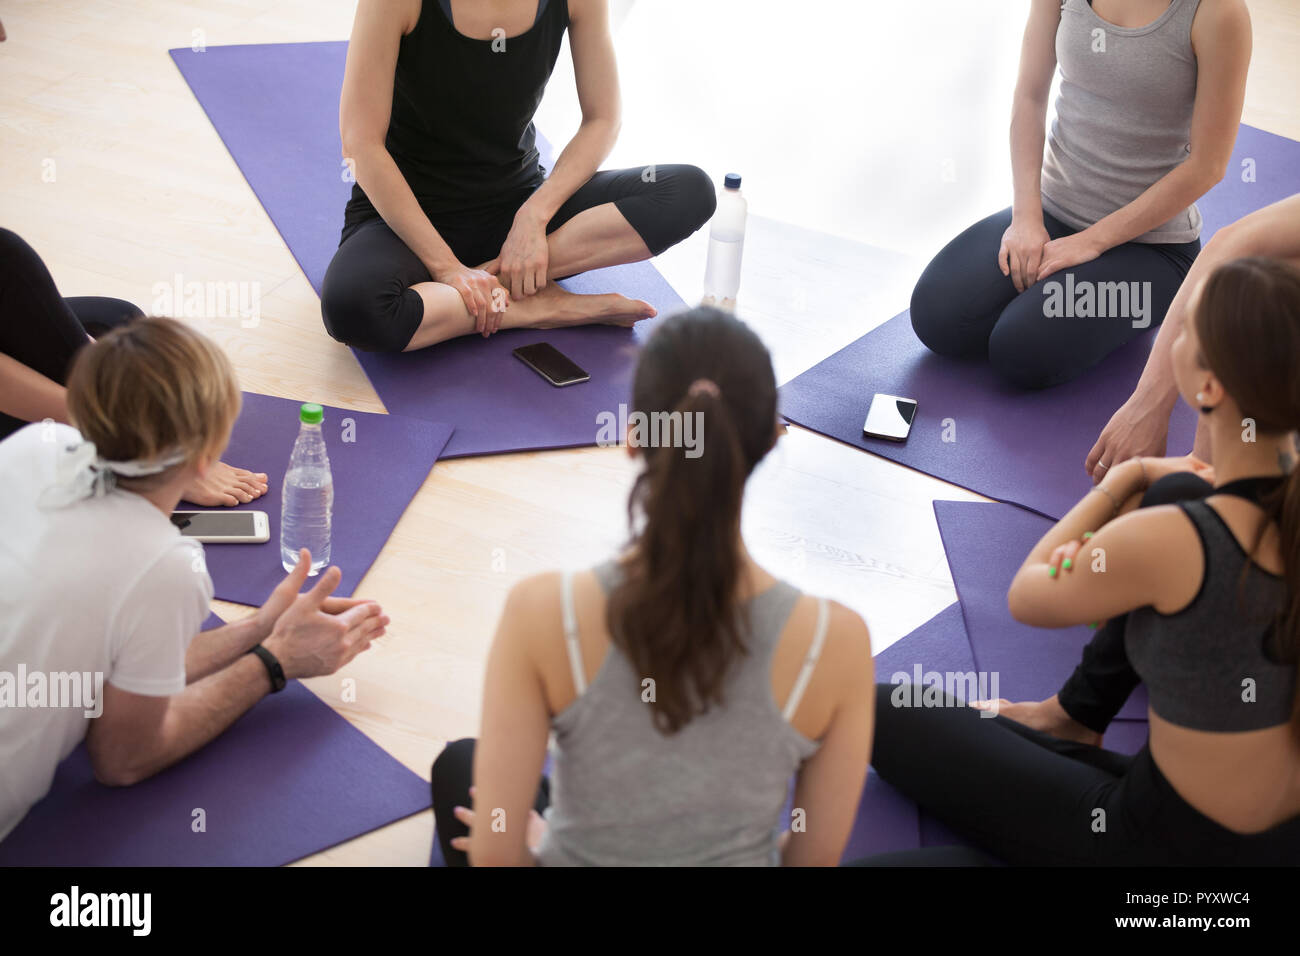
<point x="1123" y="116"/>
<point x="712" y="794"/>
<point x="1211" y="666"/>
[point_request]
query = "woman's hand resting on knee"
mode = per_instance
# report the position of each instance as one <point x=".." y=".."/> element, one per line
<point x="1022" y="251"/>
<point x="484" y="297"/>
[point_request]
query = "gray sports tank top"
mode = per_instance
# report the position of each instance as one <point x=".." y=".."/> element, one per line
<point x="1123" y="116"/>
<point x="1212" y="666"/>
<point x="712" y="794"/>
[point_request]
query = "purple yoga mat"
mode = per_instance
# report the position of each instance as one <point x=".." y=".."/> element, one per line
<point x="378" y="463"/>
<point x="1026" y="448"/>
<point x="275" y="107"/>
<point x="280" y="784"/>
<point x="986" y="544"/>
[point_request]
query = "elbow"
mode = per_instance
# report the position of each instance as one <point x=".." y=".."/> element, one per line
<point x="1018" y="603"/>
<point x="115" y="772"/>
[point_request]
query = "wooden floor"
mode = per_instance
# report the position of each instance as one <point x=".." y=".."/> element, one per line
<point x="110" y="169"/>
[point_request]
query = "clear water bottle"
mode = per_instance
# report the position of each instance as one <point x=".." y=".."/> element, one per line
<point x="307" y="500"/>
<point x="726" y="246"/>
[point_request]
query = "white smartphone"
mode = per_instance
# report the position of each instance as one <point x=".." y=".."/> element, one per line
<point x="890" y="417"/>
<point x="224" y="527"/>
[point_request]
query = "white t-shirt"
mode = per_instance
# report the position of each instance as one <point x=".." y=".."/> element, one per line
<point x="104" y="590"/>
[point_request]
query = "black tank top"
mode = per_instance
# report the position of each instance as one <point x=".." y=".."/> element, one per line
<point x="461" y="129"/>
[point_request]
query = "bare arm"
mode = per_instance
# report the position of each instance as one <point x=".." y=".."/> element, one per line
<point x="596" y="72"/>
<point x="1139" y="558"/>
<point x="830" y="783"/>
<point x="1022" y="245"/>
<point x="1141" y="425"/>
<point x="28" y="395"/>
<point x="1029" y="107"/>
<point x="512" y="744"/>
<point x="137" y="735"/>
<point x="365" y="109"/>
<point x="1222" y="42"/>
<point x="524" y="258"/>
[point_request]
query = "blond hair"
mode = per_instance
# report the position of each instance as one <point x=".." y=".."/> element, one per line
<point x="151" y="389"/>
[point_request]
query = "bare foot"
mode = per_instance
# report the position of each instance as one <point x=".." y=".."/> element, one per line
<point x="1045" y="715"/>
<point x="554" y="307"/>
<point x="226" y="486"/>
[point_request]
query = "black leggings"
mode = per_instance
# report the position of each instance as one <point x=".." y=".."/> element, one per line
<point x="367" y="299"/>
<point x="40" y="328"/>
<point x="452" y="775"/>
<point x="1033" y="799"/>
<point x="963" y="306"/>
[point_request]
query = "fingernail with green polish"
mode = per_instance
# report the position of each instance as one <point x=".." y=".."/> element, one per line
<point x="1068" y="563"/>
<point x="1087" y="535"/>
<point x="1051" y="570"/>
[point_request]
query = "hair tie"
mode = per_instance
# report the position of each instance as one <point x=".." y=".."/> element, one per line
<point x="704" y="386"/>
<point x="81" y="472"/>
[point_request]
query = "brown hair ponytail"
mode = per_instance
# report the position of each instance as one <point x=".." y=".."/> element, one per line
<point x="703" y="374"/>
<point x="1248" y="324"/>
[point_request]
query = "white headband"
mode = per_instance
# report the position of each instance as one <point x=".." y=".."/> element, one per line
<point x="81" y="473"/>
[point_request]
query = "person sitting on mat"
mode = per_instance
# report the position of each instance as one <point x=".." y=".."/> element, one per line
<point x="1211" y="592"/>
<point x="101" y="598"/>
<point x="1104" y="226"/>
<point x="1141" y="425"/>
<point x="453" y="227"/>
<point x="684" y="684"/>
<point x="41" y="332"/>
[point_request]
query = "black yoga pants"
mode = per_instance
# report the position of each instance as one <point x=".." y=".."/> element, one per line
<point x="367" y="301"/>
<point x="1028" y="798"/>
<point x="963" y="306"/>
<point x="1104" y="678"/>
<point x="40" y="328"/>
<point x="453" y="773"/>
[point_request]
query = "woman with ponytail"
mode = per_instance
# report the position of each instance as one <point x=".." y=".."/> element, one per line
<point x="685" y="685"/>
<point x="1207" y="592"/>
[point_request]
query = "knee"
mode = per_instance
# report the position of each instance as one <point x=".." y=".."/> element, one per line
<point x="695" y="199"/>
<point x="938" y="322"/>
<point x="454" y="764"/>
<point x="361" y="317"/>
<point x="1018" y="359"/>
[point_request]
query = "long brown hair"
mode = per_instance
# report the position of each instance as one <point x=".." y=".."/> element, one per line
<point x="1248" y="323"/>
<point x="675" y="614"/>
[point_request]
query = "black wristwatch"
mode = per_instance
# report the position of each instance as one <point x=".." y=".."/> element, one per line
<point x="273" y="668"/>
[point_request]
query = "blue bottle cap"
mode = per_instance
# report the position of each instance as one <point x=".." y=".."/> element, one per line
<point x="732" y="181"/>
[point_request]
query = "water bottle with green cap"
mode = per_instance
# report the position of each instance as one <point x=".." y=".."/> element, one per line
<point x="307" y="501"/>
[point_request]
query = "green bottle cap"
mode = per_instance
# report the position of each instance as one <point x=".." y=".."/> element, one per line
<point x="311" y="414"/>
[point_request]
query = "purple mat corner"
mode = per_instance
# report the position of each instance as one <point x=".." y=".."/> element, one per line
<point x="275" y="787"/>
<point x="378" y="463"/>
<point x="1026" y="448"/>
<point x="986" y="544"/>
<point x="275" y="107"/>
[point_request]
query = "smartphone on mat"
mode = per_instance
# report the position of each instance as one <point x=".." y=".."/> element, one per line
<point x="890" y="417"/>
<point x="551" y="364"/>
<point x="224" y="527"/>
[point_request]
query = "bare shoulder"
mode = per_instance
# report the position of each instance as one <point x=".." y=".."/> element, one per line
<point x="848" y="641"/>
<point x="1220" y="19"/>
<point x="535" y="599"/>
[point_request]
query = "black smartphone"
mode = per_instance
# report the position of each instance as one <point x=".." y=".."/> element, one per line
<point x="551" y="364"/>
<point x="224" y="527"/>
<point x="890" y="417"/>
